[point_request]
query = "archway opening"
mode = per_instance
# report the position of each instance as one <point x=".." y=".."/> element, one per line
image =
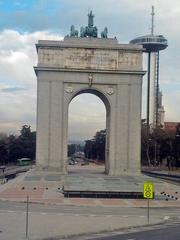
<point x="87" y="138"/>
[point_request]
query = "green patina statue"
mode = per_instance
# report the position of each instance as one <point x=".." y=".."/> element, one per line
<point x="73" y="32"/>
<point x="90" y="30"/>
<point x="104" y="33"/>
<point x="90" y="19"/>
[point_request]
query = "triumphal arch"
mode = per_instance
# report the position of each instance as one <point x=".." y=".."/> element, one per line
<point x="87" y="64"/>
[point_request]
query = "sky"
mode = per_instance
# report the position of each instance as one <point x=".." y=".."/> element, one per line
<point x="23" y="23"/>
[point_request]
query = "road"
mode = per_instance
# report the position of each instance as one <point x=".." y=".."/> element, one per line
<point x="46" y="221"/>
<point x="14" y="207"/>
<point x="171" y="177"/>
<point x="165" y="233"/>
<point x="11" y="171"/>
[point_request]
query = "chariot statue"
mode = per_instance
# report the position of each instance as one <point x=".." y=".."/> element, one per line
<point x="88" y="31"/>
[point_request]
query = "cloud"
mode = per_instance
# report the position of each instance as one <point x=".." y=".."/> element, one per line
<point x="18" y="89"/>
<point x="12" y="89"/>
<point x="18" y="107"/>
<point x="87" y="115"/>
<point x="28" y="21"/>
<point x="123" y="17"/>
<point x="17" y="78"/>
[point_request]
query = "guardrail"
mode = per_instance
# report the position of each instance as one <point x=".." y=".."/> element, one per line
<point x="166" y="176"/>
<point x="6" y="174"/>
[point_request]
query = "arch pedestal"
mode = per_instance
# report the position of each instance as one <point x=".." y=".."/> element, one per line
<point x="105" y="68"/>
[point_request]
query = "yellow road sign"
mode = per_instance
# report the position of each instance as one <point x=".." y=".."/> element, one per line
<point x="148" y="191"/>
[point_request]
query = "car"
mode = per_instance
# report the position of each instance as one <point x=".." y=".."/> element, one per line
<point x="71" y="162"/>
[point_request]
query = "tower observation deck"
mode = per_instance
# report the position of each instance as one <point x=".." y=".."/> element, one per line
<point x="152" y="45"/>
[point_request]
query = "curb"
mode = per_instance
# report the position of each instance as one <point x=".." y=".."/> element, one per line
<point x="100" y="234"/>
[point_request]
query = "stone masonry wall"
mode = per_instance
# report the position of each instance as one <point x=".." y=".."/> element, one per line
<point x="100" y="59"/>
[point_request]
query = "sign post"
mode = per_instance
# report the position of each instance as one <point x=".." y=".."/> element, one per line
<point x="27" y="216"/>
<point x="148" y="193"/>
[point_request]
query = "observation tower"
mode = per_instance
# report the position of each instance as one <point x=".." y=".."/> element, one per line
<point x="152" y="45"/>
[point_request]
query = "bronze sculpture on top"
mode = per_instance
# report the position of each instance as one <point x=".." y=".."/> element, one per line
<point x="90" y="30"/>
<point x="73" y="32"/>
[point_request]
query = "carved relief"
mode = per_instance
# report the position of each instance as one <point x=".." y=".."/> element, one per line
<point x="90" y="78"/>
<point x="69" y="89"/>
<point x="110" y="90"/>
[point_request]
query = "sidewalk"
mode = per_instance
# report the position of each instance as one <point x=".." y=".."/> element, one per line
<point x="50" y="192"/>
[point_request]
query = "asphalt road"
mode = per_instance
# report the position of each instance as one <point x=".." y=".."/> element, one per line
<point x="11" y="207"/>
<point x="166" y="233"/>
<point x="54" y="220"/>
<point x="6" y="206"/>
<point x="11" y="171"/>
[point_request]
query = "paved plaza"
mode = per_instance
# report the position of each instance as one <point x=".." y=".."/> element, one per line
<point x="46" y="187"/>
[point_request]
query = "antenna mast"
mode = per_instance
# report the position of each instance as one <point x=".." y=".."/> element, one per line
<point x="152" y="23"/>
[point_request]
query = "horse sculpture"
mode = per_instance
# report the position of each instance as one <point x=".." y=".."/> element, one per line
<point x="89" y="32"/>
<point x="73" y="31"/>
<point x="104" y="33"/>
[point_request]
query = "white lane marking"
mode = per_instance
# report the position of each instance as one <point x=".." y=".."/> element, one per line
<point x="10" y="211"/>
<point x="76" y="215"/>
<point x="60" y="214"/>
<point x="92" y="215"/>
<point x="166" y="217"/>
<point x="43" y="213"/>
<point x="142" y="216"/>
<point x="18" y="206"/>
<point x="7" y="211"/>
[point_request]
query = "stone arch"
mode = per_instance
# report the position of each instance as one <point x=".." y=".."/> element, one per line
<point x="102" y="66"/>
<point x="96" y="92"/>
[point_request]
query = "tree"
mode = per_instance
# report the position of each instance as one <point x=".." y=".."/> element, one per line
<point x="100" y="140"/>
<point x="177" y="146"/>
<point x="27" y="142"/>
<point x="95" y="148"/>
<point x="156" y="145"/>
<point x="20" y="146"/>
<point x="71" y="149"/>
<point x="3" y="149"/>
<point x="145" y="159"/>
<point x="14" y="149"/>
<point x="90" y="151"/>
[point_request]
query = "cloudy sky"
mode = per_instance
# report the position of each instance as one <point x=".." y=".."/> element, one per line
<point x="24" y="22"/>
